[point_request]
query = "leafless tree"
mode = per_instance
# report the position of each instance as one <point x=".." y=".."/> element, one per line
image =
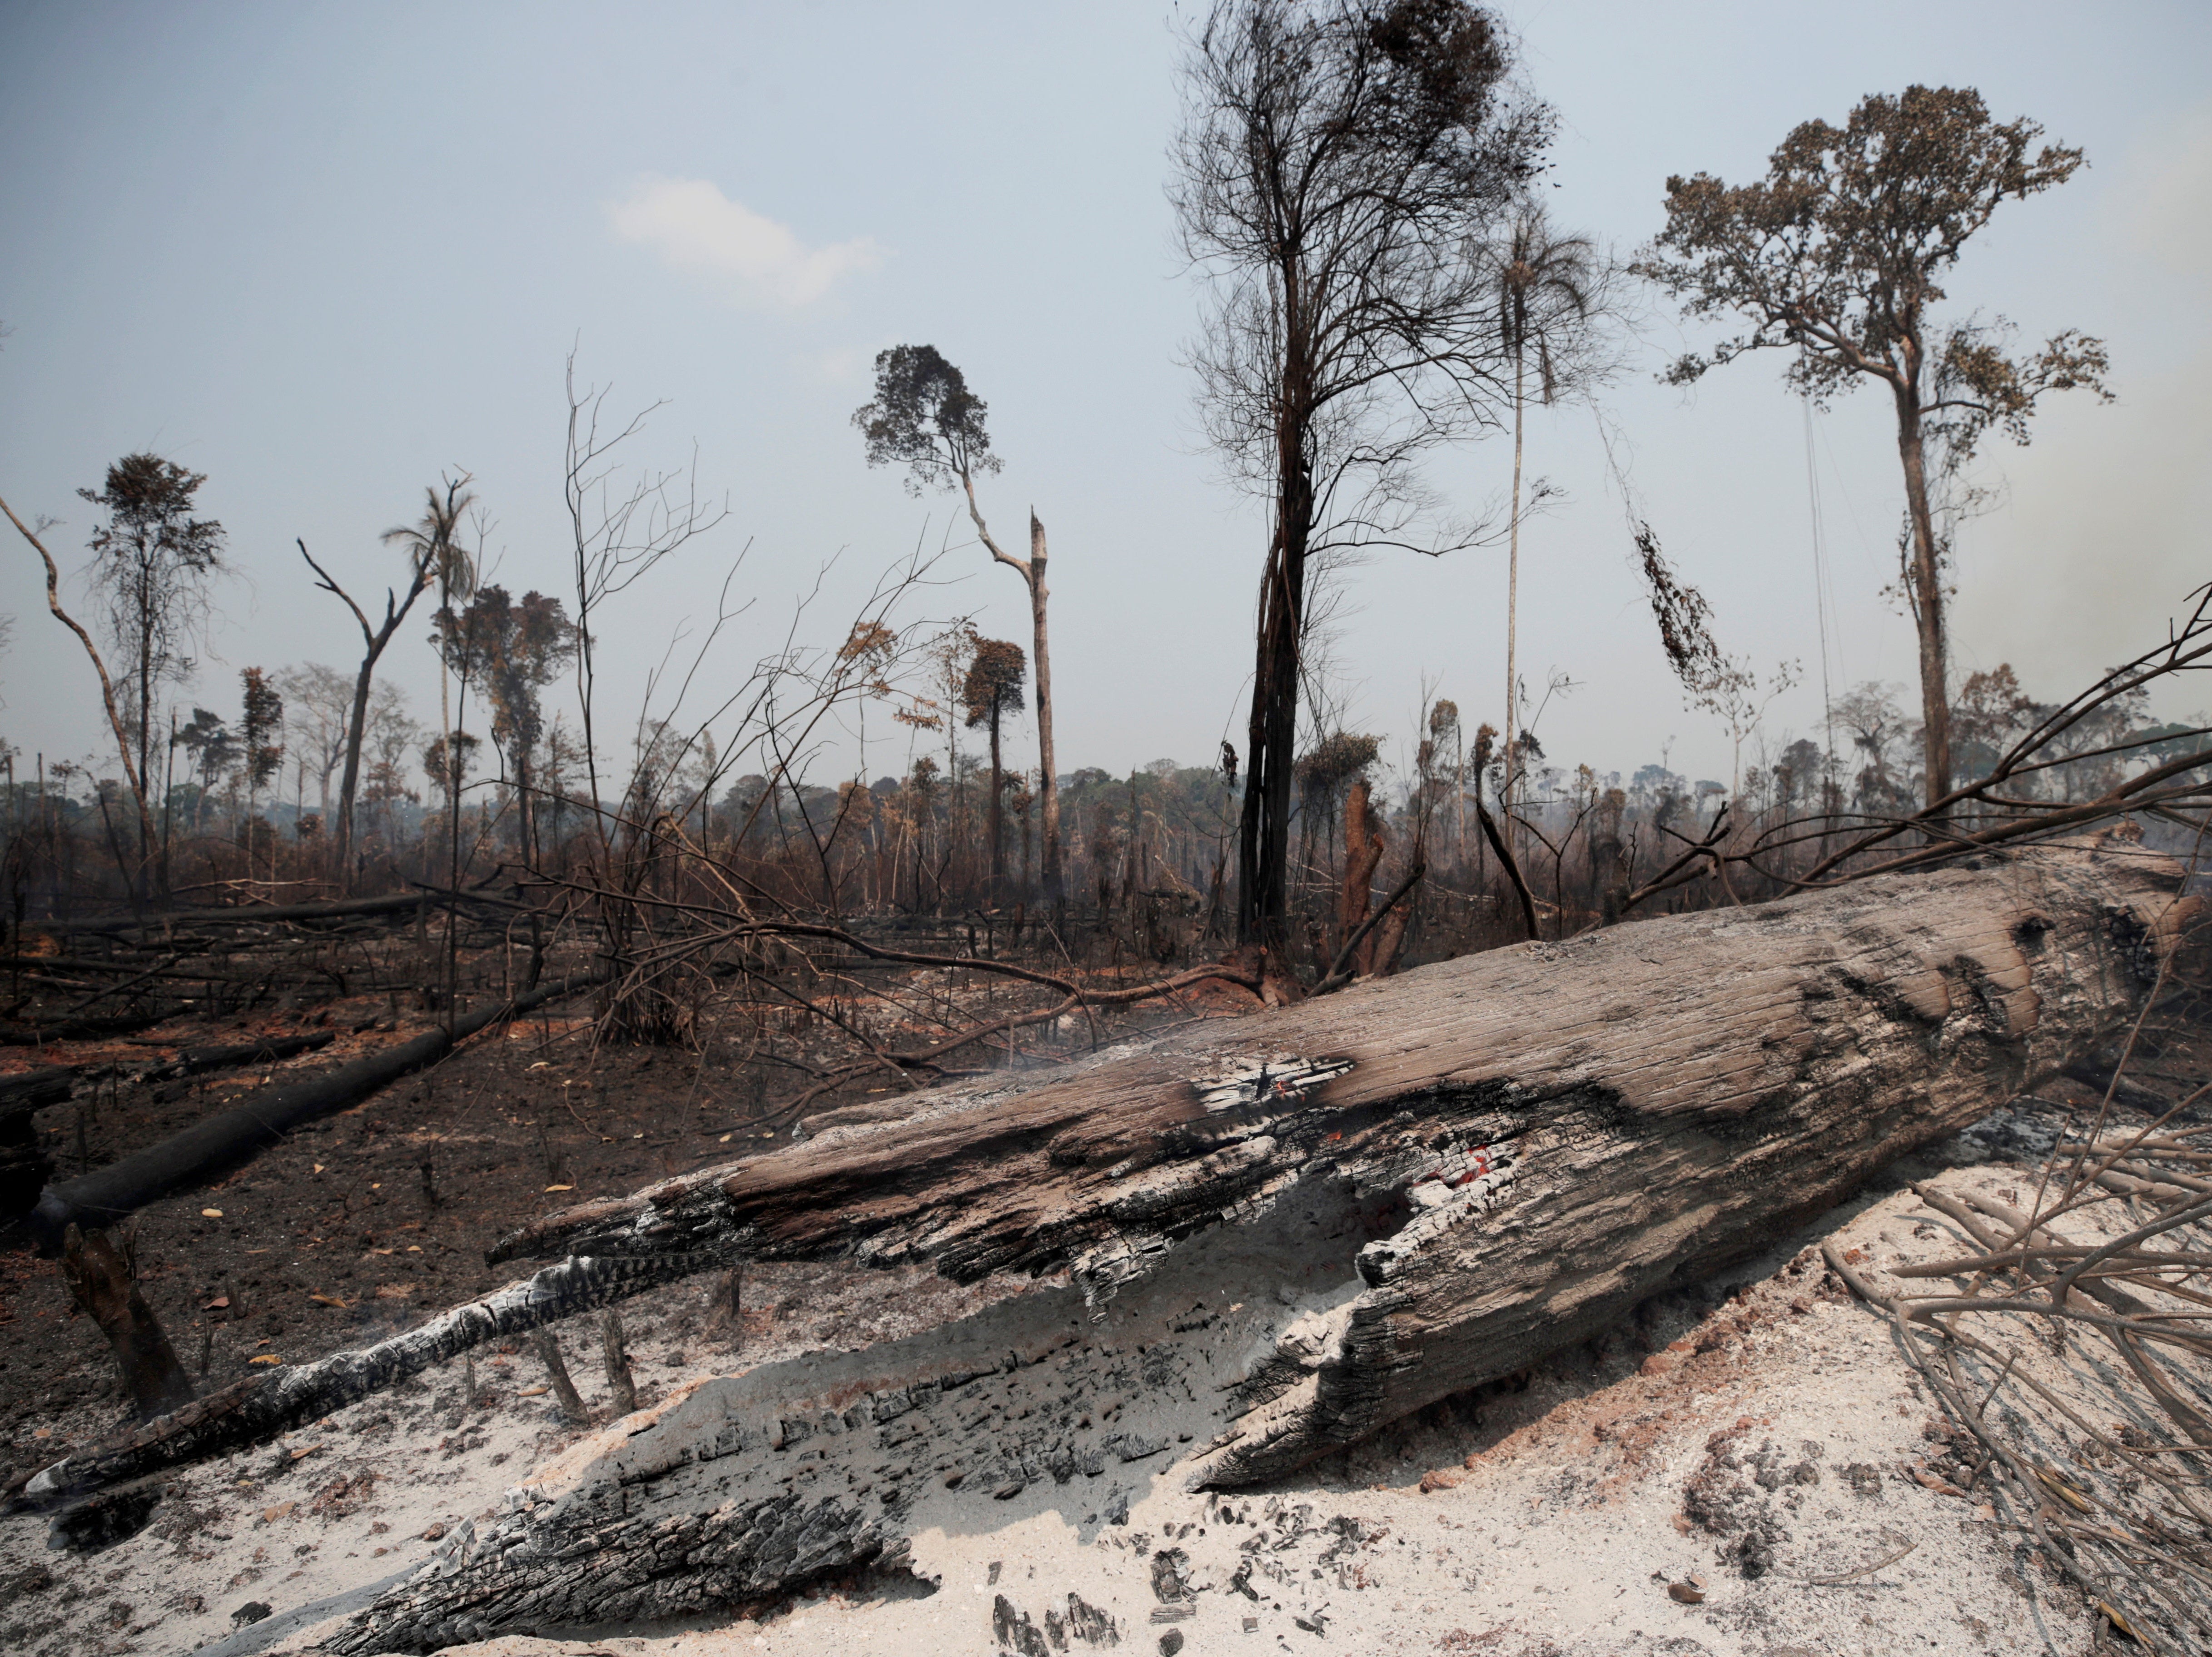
<point x="132" y="772"/>
<point x="319" y="717"/>
<point x="623" y="523"/>
<point x="433" y="555"/>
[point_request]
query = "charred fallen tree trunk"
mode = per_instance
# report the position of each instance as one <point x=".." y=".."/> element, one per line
<point x="259" y="1407"/>
<point x="195" y="1061"/>
<point x="229" y="1137"/>
<point x="259" y="914"/>
<point x="1262" y="1239"/>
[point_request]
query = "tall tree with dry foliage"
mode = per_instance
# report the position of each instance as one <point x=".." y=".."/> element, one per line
<point x="154" y="565"/>
<point x="511" y="648"/>
<point x="1549" y="289"/>
<point x="1838" y="255"/>
<point x="924" y="417"/>
<point x="993" y="690"/>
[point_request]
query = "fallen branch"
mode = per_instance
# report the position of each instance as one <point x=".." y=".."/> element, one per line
<point x="195" y="1061"/>
<point x="1339" y="970"/>
<point x="1512" y="868"/>
<point x="257" y="1409"/>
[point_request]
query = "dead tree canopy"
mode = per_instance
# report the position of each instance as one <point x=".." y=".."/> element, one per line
<point x="1278" y="1233"/>
<point x="1339" y="164"/>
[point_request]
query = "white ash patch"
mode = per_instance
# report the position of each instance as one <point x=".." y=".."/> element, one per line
<point x="1548" y="1514"/>
<point x="1276" y="1082"/>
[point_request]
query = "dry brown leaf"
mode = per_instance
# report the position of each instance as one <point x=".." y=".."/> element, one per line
<point x="1683" y="1594"/>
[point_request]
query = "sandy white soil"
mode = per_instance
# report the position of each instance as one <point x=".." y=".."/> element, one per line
<point x="1682" y="1487"/>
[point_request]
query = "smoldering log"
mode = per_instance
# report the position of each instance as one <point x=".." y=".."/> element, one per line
<point x="1280" y="1233"/>
<point x="229" y="1137"/>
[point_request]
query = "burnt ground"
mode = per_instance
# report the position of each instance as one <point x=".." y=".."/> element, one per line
<point x="331" y="1240"/>
<point x="363" y="1223"/>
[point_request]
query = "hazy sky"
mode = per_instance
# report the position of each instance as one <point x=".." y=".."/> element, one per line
<point x="321" y="251"/>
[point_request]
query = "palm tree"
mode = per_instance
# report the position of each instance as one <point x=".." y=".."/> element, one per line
<point x="434" y="549"/>
<point x="1548" y="288"/>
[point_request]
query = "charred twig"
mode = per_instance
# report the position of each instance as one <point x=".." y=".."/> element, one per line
<point x="548" y="1347"/>
<point x="1512" y="868"/>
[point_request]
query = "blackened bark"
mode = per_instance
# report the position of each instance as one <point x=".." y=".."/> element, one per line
<point x="101" y="1281"/>
<point x="230" y="1137"/>
<point x="1263" y="839"/>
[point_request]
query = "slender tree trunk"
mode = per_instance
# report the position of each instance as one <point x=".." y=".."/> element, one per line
<point x="145" y="743"/>
<point x="1924" y="587"/>
<point x="523" y="818"/>
<point x="1459" y="795"/>
<point x="350" y="783"/>
<point x="1509" y="789"/>
<point x="131" y="774"/>
<point x="998" y="808"/>
<point x="1048" y="775"/>
<point x="168" y="798"/>
<point x="1263" y="843"/>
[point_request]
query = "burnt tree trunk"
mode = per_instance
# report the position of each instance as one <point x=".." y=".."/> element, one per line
<point x="1365" y="839"/>
<point x="229" y="1137"/>
<point x="101" y="1281"/>
<point x="1259" y="1240"/>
